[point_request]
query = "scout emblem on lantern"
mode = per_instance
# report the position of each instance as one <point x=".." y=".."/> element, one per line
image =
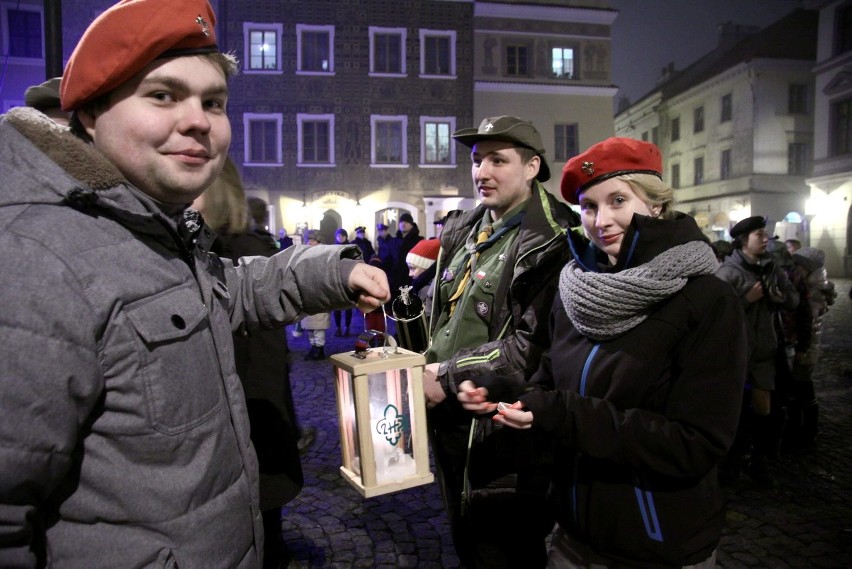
<point x="382" y="417"/>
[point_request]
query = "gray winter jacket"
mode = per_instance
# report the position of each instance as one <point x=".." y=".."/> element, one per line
<point x="124" y="439"/>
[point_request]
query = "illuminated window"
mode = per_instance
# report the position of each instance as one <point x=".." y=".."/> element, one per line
<point x="263" y="47"/>
<point x="562" y="62"/>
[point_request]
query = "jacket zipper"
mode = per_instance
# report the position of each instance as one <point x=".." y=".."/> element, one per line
<point x="583" y="383"/>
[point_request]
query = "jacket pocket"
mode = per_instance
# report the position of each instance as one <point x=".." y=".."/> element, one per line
<point x="179" y="364"/>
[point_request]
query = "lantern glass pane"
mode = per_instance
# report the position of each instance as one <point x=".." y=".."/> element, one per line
<point x="349" y="426"/>
<point x="391" y="424"/>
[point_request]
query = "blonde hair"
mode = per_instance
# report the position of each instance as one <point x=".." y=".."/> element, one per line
<point x="225" y="205"/>
<point x="653" y="191"/>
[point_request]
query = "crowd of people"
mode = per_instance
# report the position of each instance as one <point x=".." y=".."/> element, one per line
<point x="573" y="379"/>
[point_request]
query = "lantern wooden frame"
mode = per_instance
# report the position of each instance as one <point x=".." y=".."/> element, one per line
<point x="359" y="434"/>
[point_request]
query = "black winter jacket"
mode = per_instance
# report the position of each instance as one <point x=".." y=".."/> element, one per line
<point x="642" y="420"/>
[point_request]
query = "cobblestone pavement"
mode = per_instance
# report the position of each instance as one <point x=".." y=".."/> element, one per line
<point x="805" y="521"/>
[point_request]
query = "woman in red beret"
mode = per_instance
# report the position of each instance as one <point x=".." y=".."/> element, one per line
<point x="633" y="389"/>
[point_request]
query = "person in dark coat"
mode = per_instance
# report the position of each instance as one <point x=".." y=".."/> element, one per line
<point x="490" y="313"/>
<point x="261" y="360"/>
<point x="764" y="291"/>
<point x="284" y="240"/>
<point x="632" y="388"/>
<point x="407" y="236"/>
<point x="364" y="243"/>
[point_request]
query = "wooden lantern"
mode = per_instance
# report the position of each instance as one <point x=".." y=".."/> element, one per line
<point x="382" y="415"/>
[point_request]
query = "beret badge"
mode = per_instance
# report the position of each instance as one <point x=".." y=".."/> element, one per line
<point x="205" y="28"/>
<point x="588" y="168"/>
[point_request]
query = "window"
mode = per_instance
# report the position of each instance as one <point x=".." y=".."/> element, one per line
<point x="655" y="135"/>
<point x="698" y="171"/>
<point x="843" y="33"/>
<point x="388" y="134"/>
<point x="797" y="99"/>
<point x="797" y="158"/>
<point x="437" y="147"/>
<point x="316" y="139"/>
<point x="517" y="63"/>
<point x="645" y="136"/>
<point x="262" y="139"/>
<point x="387" y="51"/>
<point x="727" y="108"/>
<point x="725" y="164"/>
<point x="567" y="141"/>
<point x="263" y="47"/>
<point x="675" y="176"/>
<point x="23" y="28"/>
<point x="438" y="53"/>
<point x="675" y="129"/>
<point x="315" y="49"/>
<point x="841" y="134"/>
<point x="698" y="120"/>
<point x="562" y="62"/>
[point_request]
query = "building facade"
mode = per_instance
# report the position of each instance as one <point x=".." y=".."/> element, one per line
<point x="343" y="110"/>
<point x="829" y="208"/>
<point x="736" y="127"/>
<point x="549" y="62"/>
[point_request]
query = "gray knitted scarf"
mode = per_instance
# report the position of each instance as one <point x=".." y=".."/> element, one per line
<point x="604" y="305"/>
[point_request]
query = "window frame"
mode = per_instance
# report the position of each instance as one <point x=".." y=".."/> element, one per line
<point x="7" y="7"/>
<point x="675" y="175"/>
<point x="426" y="33"/>
<point x="376" y="31"/>
<point x="725" y="164"/>
<point x="278" y="118"/>
<point x="301" y="119"/>
<point x="841" y="133"/>
<point x="248" y="28"/>
<point x="698" y="119"/>
<point x="528" y="47"/>
<point x="309" y="28"/>
<point x="797" y="99"/>
<point x="573" y="73"/>
<point x="451" y="122"/>
<point x="726" y="109"/>
<point x="374" y="122"/>
<point x="562" y="138"/>
<point x="797" y="161"/>
<point x="698" y="171"/>
<point x="674" y="129"/>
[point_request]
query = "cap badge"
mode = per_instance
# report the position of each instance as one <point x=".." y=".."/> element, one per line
<point x="488" y="126"/>
<point x="588" y="168"/>
<point x="205" y="28"/>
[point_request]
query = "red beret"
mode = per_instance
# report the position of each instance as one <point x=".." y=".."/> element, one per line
<point x="129" y="36"/>
<point x="612" y="157"/>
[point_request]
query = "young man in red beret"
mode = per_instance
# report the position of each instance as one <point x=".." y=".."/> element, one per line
<point x="124" y="439"/>
<point x="496" y="277"/>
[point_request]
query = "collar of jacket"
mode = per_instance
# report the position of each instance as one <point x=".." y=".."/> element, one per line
<point x="645" y="238"/>
<point x="546" y="219"/>
<point x="80" y="176"/>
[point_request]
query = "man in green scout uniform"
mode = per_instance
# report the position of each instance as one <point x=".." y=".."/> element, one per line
<point x="495" y="283"/>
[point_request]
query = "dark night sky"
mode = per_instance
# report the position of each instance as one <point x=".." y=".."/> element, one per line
<point x="648" y="34"/>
